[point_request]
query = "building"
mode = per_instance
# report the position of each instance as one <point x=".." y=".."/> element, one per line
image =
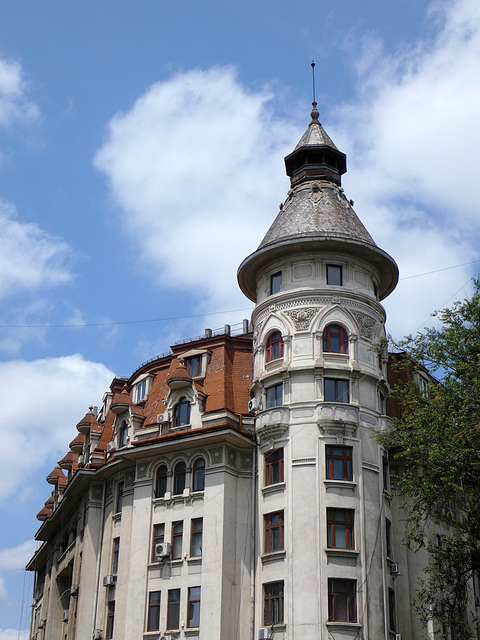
<point x="232" y="489"/>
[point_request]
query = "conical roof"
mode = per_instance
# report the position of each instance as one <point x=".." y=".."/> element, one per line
<point x="316" y="215"/>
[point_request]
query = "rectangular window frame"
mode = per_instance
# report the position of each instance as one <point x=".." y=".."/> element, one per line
<point x="153" y="620"/>
<point x="193" y="365"/>
<point x="336" y="390"/>
<point x="115" y="555"/>
<point x="335" y="275"/>
<point x="334" y="528"/>
<point x="173" y="609"/>
<point x="177" y="539"/>
<point x="196" y="535"/>
<point x="273" y="603"/>
<point x="275" y="282"/>
<point x="273" y="532"/>
<point x="342" y="600"/>
<point x="119" y="497"/>
<point x="158" y="538"/>
<point x="110" y="620"/>
<point x="274" y="467"/>
<point x="392" y="611"/>
<point x="345" y="459"/>
<point x="274" y="395"/>
<point x="193" y="617"/>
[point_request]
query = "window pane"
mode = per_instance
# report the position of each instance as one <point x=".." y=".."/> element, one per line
<point x="193" y="607"/>
<point x="275" y="282"/>
<point x="177" y="538"/>
<point x="274" y="467"/>
<point x="161" y="482"/>
<point x="153" y="611"/>
<point x="173" y="611"/>
<point x="179" y="478"/>
<point x="273" y="603"/>
<point x="196" y="541"/>
<point x="334" y="274"/>
<point x="199" y="475"/>
<point x="274" y="396"/>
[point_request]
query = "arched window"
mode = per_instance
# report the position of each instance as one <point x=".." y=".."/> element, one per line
<point x="274" y="348"/>
<point x="181" y="413"/>
<point x="179" y="478"/>
<point x="161" y="481"/>
<point x="199" y="474"/>
<point x="335" y="339"/>
<point x="122" y="435"/>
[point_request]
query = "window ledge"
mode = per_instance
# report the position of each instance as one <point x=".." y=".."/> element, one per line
<point x="273" y="488"/>
<point x="193" y="631"/>
<point x="194" y="560"/>
<point x="343" y="625"/>
<point x="176" y="562"/>
<point x="341" y="484"/>
<point x="342" y="553"/>
<point x="272" y="556"/>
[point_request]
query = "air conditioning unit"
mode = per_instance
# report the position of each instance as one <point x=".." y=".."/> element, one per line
<point x="81" y="461"/>
<point x="477" y="601"/>
<point x="97" y="634"/>
<point x="252" y="405"/>
<point x="163" y="549"/>
<point x="65" y="615"/>
<point x="394" y="569"/>
<point x="109" y="581"/>
<point x="111" y="447"/>
<point x="264" y="633"/>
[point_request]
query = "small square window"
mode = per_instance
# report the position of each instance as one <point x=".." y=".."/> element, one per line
<point x="275" y="282"/>
<point x="336" y="390"/>
<point x="334" y="274"/>
<point x="274" y="396"/>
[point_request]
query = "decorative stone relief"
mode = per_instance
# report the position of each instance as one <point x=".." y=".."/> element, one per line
<point x="365" y="323"/>
<point x="246" y="461"/>
<point x="302" y="317"/>
<point x="231" y="457"/>
<point x="216" y="455"/>
<point x="129" y="479"/>
<point x="96" y="492"/>
<point x="142" y="470"/>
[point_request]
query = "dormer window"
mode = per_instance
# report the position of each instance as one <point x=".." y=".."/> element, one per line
<point x="141" y="389"/>
<point x="195" y="362"/>
<point x="194" y="365"/>
<point x="123" y="435"/>
<point x="181" y="413"/>
<point x="274" y="347"/>
<point x="334" y="274"/>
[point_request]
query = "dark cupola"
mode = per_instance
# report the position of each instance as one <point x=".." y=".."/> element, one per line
<point x="315" y="157"/>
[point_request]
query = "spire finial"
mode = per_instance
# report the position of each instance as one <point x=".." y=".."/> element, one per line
<point x="314" y="114"/>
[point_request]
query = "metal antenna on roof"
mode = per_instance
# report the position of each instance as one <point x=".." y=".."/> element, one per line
<point x="314" y="114"/>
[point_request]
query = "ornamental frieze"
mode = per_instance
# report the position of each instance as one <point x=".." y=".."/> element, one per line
<point x="302" y="317"/>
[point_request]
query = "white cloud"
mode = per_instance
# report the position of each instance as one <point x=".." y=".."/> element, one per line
<point x="196" y="169"/>
<point x="14" y="104"/>
<point x="14" y="559"/>
<point x="13" y="634"/>
<point x="413" y="136"/>
<point x="39" y="413"/>
<point x="30" y="258"/>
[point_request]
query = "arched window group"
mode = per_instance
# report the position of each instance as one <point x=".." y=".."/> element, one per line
<point x="274" y="347"/>
<point x="180" y="478"/>
<point x="335" y="339"/>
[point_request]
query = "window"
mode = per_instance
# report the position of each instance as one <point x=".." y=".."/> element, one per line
<point x="153" y="623"/>
<point x="273" y="603"/>
<point x="158" y="538"/>
<point x="335" y="339"/>
<point x="274" y="349"/>
<point x="123" y="434"/>
<point x="196" y="537"/>
<point x="392" y="616"/>
<point x="198" y="475"/>
<point x="141" y="390"/>
<point x="275" y="282"/>
<point x="181" y="413"/>
<point x="334" y="274"/>
<point x="194" y="365"/>
<point x="177" y="537"/>
<point x="193" y="607"/>
<point x="388" y="538"/>
<point x="274" y="467"/>
<point x="342" y="600"/>
<point x="423" y="384"/>
<point x="274" y="396"/>
<point x="339" y="463"/>
<point x="173" y="610"/>
<point x="340" y="526"/>
<point x="119" y="502"/>
<point x="336" y="390"/>
<point x="386" y="475"/>
<point x="110" y="619"/>
<point x="273" y="531"/>
<point x="161" y="481"/>
<point x="115" y="554"/>
<point x="179" y="478"/>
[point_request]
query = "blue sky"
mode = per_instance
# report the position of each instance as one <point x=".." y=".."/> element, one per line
<point x="141" y="159"/>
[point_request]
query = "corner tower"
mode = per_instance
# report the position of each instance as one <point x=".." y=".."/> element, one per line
<point x="318" y="393"/>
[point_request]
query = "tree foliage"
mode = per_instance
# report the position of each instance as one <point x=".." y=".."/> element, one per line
<point x="436" y="446"/>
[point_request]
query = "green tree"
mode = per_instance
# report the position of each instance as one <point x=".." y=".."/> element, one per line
<point x="435" y="445"/>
